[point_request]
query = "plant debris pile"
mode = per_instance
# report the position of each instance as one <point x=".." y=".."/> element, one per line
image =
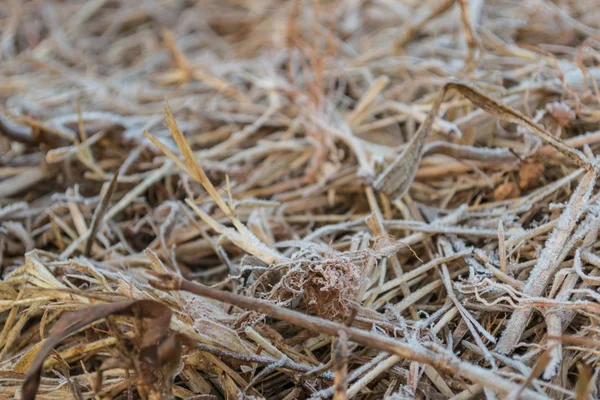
<point x="299" y="199"/>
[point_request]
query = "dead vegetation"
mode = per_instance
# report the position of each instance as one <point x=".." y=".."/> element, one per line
<point x="299" y="199"/>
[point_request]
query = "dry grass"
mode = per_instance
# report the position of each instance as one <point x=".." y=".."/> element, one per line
<point x="326" y="199"/>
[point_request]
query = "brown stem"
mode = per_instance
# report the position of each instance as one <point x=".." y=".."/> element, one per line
<point x="408" y="351"/>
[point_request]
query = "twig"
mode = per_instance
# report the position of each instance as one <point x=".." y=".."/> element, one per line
<point x="415" y="352"/>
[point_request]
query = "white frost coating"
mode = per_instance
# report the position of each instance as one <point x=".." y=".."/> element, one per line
<point x="12" y="208"/>
<point x="365" y="172"/>
<point x="549" y="259"/>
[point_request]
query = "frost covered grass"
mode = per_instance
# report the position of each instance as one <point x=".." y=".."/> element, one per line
<point x="299" y="199"/>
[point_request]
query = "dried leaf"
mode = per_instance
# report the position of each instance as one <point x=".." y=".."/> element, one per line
<point x="158" y="318"/>
<point x="398" y="176"/>
<point x="504" y="112"/>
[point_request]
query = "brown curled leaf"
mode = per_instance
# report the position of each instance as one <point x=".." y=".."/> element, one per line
<point x="398" y="176"/>
<point x="156" y="316"/>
